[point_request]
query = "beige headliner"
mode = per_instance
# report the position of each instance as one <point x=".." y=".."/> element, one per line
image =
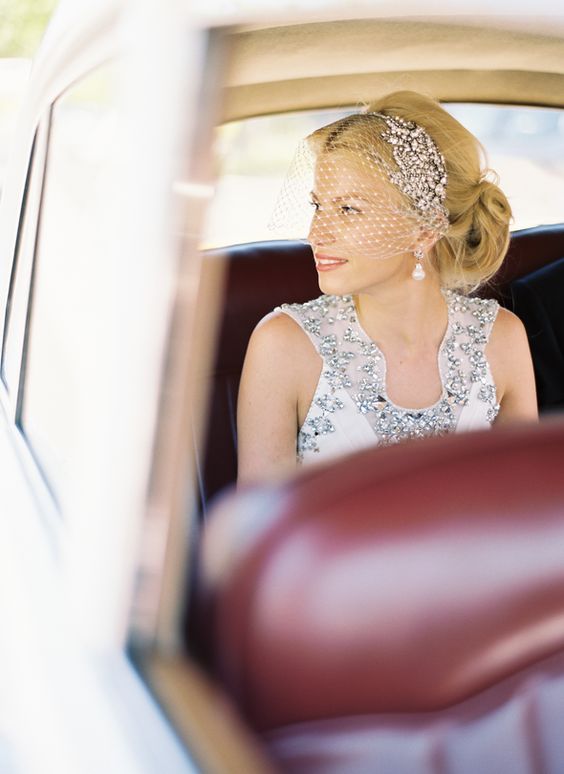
<point x="339" y="63"/>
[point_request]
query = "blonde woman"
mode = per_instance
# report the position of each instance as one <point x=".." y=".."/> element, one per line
<point x="404" y="224"/>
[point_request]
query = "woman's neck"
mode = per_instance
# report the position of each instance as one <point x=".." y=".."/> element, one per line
<point x="406" y="314"/>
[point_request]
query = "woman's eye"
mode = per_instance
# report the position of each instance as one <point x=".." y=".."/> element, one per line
<point x="346" y="209"/>
<point x="314" y="204"/>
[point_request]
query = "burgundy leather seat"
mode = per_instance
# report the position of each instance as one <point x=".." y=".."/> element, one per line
<point x="261" y="276"/>
<point x="400" y="611"/>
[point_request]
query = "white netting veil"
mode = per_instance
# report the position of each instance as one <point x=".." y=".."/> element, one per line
<point x="371" y="181"/>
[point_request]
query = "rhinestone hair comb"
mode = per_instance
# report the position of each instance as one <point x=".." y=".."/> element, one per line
<point x="421" y="173"/>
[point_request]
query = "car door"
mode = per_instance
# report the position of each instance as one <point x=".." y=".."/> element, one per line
<point x="89" y="267"/>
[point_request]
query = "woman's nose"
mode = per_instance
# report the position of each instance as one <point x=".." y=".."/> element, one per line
<point x="321" y="231"/>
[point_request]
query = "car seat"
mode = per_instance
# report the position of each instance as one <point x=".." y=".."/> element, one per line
<point x="400" y="611"/>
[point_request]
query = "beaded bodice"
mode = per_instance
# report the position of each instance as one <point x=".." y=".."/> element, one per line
<point x="351" y="408"/>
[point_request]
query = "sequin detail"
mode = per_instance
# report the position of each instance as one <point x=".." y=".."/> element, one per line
<point x="355" y="367"/>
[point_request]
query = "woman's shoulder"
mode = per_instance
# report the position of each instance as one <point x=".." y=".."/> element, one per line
<point x="279" y="353"/>
<point x="510" y="356"/>
<point x="284" y="327"/>
<point x="508" y="332"/>
<point x="274" y="330"/>
<point x="291" y="329"/>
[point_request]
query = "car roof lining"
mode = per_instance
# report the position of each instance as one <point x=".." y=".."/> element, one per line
<point x="342" y="63"/>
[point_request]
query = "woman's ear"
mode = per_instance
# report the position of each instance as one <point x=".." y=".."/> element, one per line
<point x="426" y="239"/>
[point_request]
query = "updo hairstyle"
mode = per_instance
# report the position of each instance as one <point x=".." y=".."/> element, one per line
<point x="477" y="236"/>
<point x="479" y="213"/>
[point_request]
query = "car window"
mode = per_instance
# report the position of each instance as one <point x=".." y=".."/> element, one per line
<point x="252" y="159"/>
<point x="525" y="146"/>
<point x="66" y="376"/>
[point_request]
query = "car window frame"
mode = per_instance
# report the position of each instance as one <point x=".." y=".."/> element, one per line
<point x="16" y="309"/>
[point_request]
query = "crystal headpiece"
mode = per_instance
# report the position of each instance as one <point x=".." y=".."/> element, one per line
<point x="421" y="173"/>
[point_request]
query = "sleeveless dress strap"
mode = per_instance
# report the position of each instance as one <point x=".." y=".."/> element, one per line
<point x="474" y="320"/>
<point x="307" y="325"/>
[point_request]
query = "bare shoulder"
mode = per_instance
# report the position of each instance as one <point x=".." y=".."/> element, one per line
<point x="507" y="326"/>
<point x="278" y="357"/>
<point x="278" y="325"/>
<point x="279" y="354"/>
<point x="510" y="359"/>
<point x="508" y="339"/>
<point x="279" y="335"/>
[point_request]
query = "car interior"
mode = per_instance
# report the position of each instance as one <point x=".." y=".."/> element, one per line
<point x="464" y="673"/>
<point x="399" y="610"/>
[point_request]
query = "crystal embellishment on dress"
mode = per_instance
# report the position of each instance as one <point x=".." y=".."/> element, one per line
<point x="354" y="369"/>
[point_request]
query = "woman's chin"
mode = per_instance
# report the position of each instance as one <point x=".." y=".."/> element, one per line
<point x="332" y="285"/>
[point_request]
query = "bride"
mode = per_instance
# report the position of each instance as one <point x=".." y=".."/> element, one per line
<point x="404" y="225"/>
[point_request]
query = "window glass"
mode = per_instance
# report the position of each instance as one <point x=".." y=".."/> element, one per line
<point x="525" y="146"/>
<point x="67" y="373"/>
<point x="252" y="158"/>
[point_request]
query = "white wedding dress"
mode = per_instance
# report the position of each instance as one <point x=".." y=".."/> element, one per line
<point x="351" y="410"/>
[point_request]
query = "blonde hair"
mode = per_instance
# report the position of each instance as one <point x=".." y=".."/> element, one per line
<point x="479" y="214"/>
<point x="477" y="238"/>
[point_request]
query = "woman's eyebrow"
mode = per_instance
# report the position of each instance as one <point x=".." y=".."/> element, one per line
<point x="343" y="197"/>
<point x="351" y="195"/>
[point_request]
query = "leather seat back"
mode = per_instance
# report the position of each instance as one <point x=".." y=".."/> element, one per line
<point x="258" y="277"/>
<point x="401" y="610"/>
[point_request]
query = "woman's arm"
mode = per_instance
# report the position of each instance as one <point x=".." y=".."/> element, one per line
<point x="512" y="368"/>
<point x="267" y="408"/>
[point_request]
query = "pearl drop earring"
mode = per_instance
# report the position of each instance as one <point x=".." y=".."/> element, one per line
<point x="418" y="272"/>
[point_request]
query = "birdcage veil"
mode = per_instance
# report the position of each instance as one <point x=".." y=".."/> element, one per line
<point x="376" y="180"/>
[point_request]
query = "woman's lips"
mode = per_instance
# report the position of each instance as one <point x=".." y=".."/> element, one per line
<point x="328" y="262"/>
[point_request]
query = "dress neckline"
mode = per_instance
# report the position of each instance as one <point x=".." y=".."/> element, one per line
<point x="448" y="299"/>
